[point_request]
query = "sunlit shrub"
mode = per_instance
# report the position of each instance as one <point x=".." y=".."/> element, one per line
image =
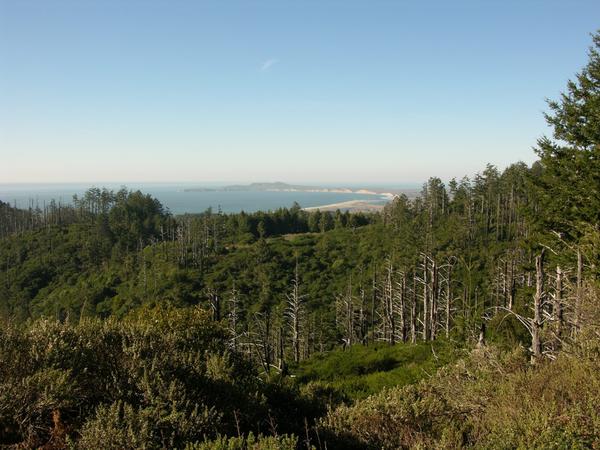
<point x="250" y="442"/>
<point x="157" y="379"/>
<point x="487" y="400"/>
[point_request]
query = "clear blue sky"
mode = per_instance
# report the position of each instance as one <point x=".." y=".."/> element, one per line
<point x="312" y="91"/>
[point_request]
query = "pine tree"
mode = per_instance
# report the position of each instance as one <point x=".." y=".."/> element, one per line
<point x="570" y="163"/>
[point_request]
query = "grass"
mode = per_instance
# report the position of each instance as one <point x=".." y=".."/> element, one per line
<point x="361" y="371"/>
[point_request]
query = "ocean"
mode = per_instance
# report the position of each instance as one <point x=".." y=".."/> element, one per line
<point x="173" y="196"/>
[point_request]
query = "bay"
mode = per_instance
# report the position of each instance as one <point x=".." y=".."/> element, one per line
<point x="173" y="196"/>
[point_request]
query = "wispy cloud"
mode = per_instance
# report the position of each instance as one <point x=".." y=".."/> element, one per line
<point x="268" y="64"/>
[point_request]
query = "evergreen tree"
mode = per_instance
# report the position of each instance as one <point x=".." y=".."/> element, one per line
<point x="569" y="177"/>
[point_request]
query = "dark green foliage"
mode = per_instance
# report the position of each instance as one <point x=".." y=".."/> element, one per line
<point x="569" y="167"/>
<point x="155" y="380"/>
<point x="83" y="269"/>
<point x="360" y="371"/>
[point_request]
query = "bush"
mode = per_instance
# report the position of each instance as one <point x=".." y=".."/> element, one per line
<point x="487" y="400"/>
<point x="360" y="371"/>
<point x="249" y="442"/>
<point x="122" y="426"/>
<point x="158" y="379"/>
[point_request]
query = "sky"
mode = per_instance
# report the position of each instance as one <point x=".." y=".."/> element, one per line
<point x="376" y="92"/>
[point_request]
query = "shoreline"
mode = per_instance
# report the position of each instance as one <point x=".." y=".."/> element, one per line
<point x="350" y="205"/>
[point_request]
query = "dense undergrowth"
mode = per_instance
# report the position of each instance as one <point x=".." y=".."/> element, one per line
<point x="489" y="399"/>
<point x="159" y="379"/>
<point x="165" y="379"/>
<point x="360" y="371"/>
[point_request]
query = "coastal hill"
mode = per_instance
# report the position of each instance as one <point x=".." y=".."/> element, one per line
<point x="285" y="187"/>
<point x="356" y="205"/>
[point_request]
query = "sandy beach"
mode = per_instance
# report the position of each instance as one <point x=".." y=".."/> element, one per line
<point x="352" y="206"/>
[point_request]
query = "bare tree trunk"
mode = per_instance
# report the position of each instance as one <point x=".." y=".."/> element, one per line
<point x="536" y="323"/>
<point x="345" y="315"/>
<point x="425" y="298"/>
<point x="361" y="315"/>
<point x="215" y="304"/>
<point x="373" y="302"/>
<point x="294" y="312"/>
<point x="413" y="311"/>
<point x="281" y="351"/>
<point x="433" y="304"/>
<point x="578" y="292"/>
<point x="233" y="317"/>
<point x="262" y="340"/>
<point x="296" y="338"/>
<point x="350" y="315"/>
<point x="267" y="340"/>
<point x="448" y="300"/>
<point x="481" y="340"/>
<point x="511" y="286"/>
<point x="558" y="310"/>
<point x="401" y="307"/>
<point x="389" y="300"/>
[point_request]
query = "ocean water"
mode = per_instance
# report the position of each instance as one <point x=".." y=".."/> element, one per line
<point x="178" y="201"/>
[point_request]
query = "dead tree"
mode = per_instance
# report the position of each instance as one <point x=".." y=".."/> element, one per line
<point x="388" y="300"/>
<point x="373" y="303"/>
<point x="534" y="325"/>
<point x="510" y="285"/>
<point x="233" y="317"/>
<point x="345" y="315"/>
<point x="433" y="301"/>
<point x="448" y="300"/>
<point x="263" y="339"/>
<point x="425" y="297"/>
<point x="399" y="306"/>
<point x="362" y="319"/>
<point x="578" y="293"/>
<point x="391" y="324"/>
<point x="281" y="364"/>
<point x="481" y="339"/>
<point x="215" y="303"/>
<point x="538" y="300"/>
<point x="431" y="295"/>
<point x="294" y="314"/>
<point x="557" y="308"/>
<point x="413" y="311"/>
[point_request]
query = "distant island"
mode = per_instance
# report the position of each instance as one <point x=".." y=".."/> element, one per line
<point x="279" y="186"/>
<point x="350" y="205"/>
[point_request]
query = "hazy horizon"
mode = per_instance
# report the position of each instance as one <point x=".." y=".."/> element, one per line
<point x="182" y="198"/>
<point x="219" y="183"/>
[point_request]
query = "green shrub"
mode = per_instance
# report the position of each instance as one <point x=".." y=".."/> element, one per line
<point x="161" y="425"/>
<point x="249" y="442"/>
<point x="157" y="379"/>
<point x="360" y="371"/>
<point x="487" y="400"/>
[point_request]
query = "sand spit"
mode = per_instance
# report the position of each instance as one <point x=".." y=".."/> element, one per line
<point x="351" y="205"/>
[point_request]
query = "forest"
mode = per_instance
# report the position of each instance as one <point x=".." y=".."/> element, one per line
<point x="466" y="318"/>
